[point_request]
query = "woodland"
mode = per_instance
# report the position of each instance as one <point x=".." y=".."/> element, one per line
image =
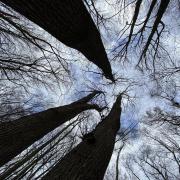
<point x="89" y="90"/>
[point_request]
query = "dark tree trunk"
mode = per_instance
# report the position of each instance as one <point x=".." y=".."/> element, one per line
<point x="69" y="22"/>
<point x="90" y="158"/>
<point x="17" y="135"/>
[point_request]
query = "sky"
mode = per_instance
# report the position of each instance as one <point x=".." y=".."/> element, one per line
<point x="139" y="83"/>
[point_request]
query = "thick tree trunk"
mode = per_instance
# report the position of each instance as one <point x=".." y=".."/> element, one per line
<point x="90" y="158"/>
<point x="69" y="22"/>
<point x="17" y="135"/>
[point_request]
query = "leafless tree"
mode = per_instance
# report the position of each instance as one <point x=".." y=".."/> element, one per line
<point x="44" y="154"/>
<point x="143" y="34"/>
<point x="25" y="55"/>
<point x="90" y="158"/>
<point x="19" y="134"/>
<point x="82" y="34"/>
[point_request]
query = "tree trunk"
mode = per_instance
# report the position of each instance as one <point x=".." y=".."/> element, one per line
<point x="90" y="158"/>
<point x="69" y="22"/>
<point x="117" y="162"/>
<point x="17" y="135"/>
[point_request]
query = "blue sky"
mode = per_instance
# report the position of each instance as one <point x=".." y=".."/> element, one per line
<point x="139" y="83"/>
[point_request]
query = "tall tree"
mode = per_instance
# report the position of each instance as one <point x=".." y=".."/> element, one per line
<point x="70" y="23"/>
<point x="90" y="158"/>
<point x="26" y="57"/>
<point x="17" y="135"/>
<point x="143" y="32"/>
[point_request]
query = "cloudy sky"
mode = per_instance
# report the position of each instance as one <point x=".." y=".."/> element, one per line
<point x="138" y="82"/>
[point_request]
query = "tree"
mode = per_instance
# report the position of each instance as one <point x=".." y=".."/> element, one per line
<point x="70" y="23"/>
<point x="11" y="103"/>
<point x="143" y="34"/>
<point x="17" y="135"/>
<point x="25" y="56"/>
<point x="160" y="117"/>
<point x="43" y="153"/>
<point x="90" y="158"/>
<point x="117" y="161"/>
<point x="167" y="90"/>
<point x="159" y="159"/>
<point x="155" y="160"/>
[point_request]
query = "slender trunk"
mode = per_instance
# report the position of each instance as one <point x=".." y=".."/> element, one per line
<point x="90" y="158"/>
<point x="17" y="135"/>
<point x="69" y="22"/>
<point x="162" y="9"/>
<point x="117" y="162"/>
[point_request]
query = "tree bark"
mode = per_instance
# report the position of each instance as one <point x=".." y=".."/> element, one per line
<point x="69" y="22"/>
<point x="17" y="135"/>
<point x="90" y="158"/>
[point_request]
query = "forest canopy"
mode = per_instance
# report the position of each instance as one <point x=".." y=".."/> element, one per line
<point x="90" y="89"/>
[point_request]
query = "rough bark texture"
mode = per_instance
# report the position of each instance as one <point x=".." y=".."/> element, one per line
<point x="17" y="135"/>
<point x="69" y="22"/>
<point x="89" y="160"/>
